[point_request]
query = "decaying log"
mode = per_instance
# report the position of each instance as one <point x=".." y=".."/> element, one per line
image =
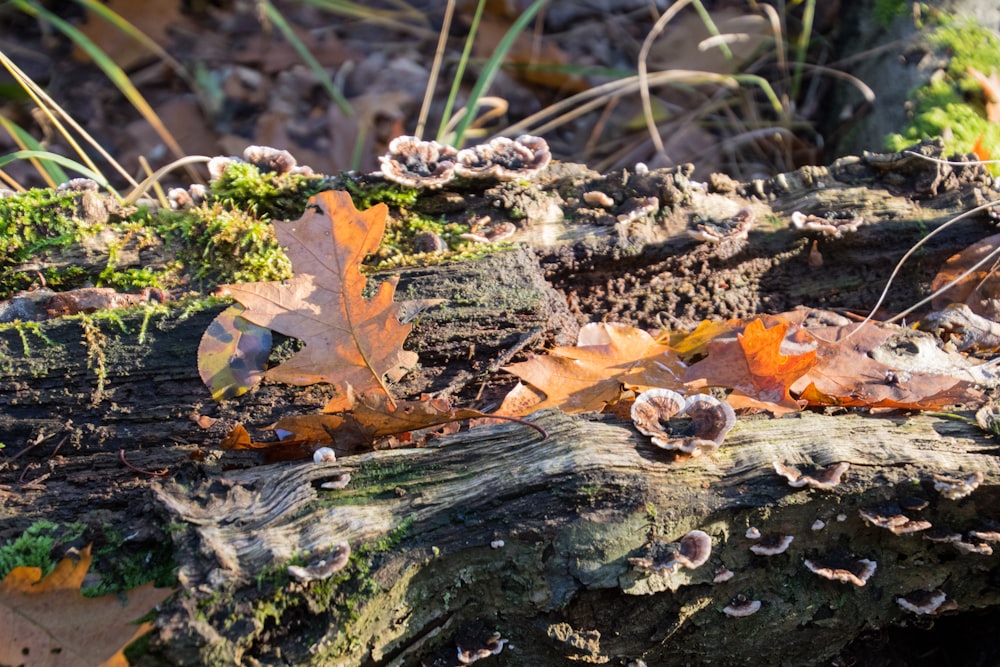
<point x="501" y="531"/>
<point x="570" y="510"/>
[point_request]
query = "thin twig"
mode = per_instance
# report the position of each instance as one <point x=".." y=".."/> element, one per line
<point x="159" y="473"/>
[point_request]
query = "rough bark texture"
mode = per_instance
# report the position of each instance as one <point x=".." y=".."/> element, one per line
<point x="571" y="509"/>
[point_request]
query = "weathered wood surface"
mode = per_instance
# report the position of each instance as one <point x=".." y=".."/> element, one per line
<point x="570" y="510"/>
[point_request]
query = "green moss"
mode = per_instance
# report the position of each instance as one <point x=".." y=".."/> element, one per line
<point x="37" y="545"/>
<point x="122" y="568"/>
<point x="273" y="196"/>
<point x="367" y="194"/>
<point x="886" y="11"/>
<point x="223" y="244"/>
<point x="951" y="104"/>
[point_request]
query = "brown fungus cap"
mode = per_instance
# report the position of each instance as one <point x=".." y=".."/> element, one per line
<point x="891" y="518"/>
<point x="741" y="606"/>
<point x="691" y="551"/>
<point x="736" y="228"/>
<point x="926" y="603"/>
<point x="266" y="158"/>
<point x="832" y="226"/>
<point x="956" y="488"/>
<point x="855" y="572"/>
<point x="772" y="544"/>
<point x="418" y="164"/>
<point x="504" y="159"/>
<point x="493" y="646"/>
<point x="825" y="478"/>
<point x="324" y="568"/>
<point x="711" y="420"/>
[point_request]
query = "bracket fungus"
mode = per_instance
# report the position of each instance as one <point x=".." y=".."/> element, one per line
<point x="323" y="568"/>
<point x="504" y="159"/>
<point x="598" y="198"/>
<point x="825" y="478"/>
<point x="691" y="551"/>
<point x="955" y="489"/>
<point x="753" y="533"/>
<point x="722" y="575"/>
<point x="493" y="646"/>
<point x="418" y="164"/>
<point x="829" y="226"/>
<point x="856" y="572"/>
<point x="266" y="158"/>
<point x="926" y="603"/>
<point x="736" y="228"/>
<point x="891" y="518"/>
<point x="711" y="420"/>
<point x="637" y="208"/>
<point x="741" y="606"/>
<point x="772" y="544"/>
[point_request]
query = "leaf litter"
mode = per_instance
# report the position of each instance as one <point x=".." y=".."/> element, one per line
<point x="46" y="621"/>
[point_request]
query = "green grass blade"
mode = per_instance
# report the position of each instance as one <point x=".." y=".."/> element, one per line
<point x="62" y="160"/>
<point x="106" y="65"/>
<point x="492" y="65"/>
<point x="275" y="17"/>
<point x="124" y="26"/>
<point x="802" y="46"/>
<point x="51" y="172"/>
<point x="456" y="82"/>
<point x="713" y="29"/>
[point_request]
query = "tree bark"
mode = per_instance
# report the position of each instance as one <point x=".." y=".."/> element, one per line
<point x="81" y="396"/>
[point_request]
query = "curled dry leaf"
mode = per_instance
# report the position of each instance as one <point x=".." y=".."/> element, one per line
<point x="606" y="358"/>
<point x="711" y="420"/>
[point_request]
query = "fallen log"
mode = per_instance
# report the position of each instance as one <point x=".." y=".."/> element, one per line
<point x="86" y="400"/>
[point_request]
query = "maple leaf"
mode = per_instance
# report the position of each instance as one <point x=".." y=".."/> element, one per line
<point x="607" y="358"/>
<point x="46" y="621"/>
<point x="349" y="340"/>
<point x="753" y="365"/>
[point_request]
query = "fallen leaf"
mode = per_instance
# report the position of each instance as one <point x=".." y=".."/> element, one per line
<point x="153" y="18"/>
<point x="606" y="359"/>
<point x="690" y="344"/>
<point x="752" y="363"/>
<point x="991" y="92"/>
<point x="349" y="340"/>
<point x="980" y="290"/>
<point x="852" y="372"/>
<point x="232" y="354"/>
<point x="47" y="622"/>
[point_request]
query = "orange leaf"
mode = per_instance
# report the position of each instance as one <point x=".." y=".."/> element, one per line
<point x="349" y="340"/>
<point x="991" y="92"/>
<point x="691" y="344"/>
<point x="46" y="621"/>
<point x="607" y="358"/>
<point x="755" y="367"/>
<point x="980" y="289"/>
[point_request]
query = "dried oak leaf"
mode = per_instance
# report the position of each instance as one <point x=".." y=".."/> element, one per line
<point x="980" y="290"/>
<point x="349" y="340"/>
<point x="607" y="357"/>
<point x="46" y="621"/>
<point x="754" y="365"/>
<point x="852" y="372"/>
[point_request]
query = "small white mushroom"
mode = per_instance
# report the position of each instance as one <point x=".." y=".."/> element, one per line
<point x="324" y="455"/>
<point x="753" y="533"/>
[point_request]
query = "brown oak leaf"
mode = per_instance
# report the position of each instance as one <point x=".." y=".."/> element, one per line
<point x="349" y="340"/>
<point x="757" y="365"/>
<point x="606" y="359"/>
<point x="46" y="621"/>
